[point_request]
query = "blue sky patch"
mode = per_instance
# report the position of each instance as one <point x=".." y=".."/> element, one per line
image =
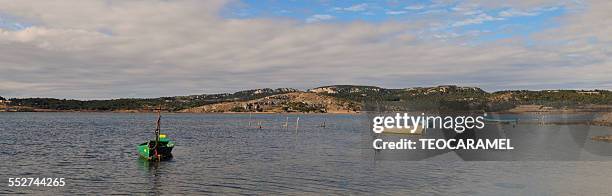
<point x="11" y="23"/>
<point x="454" y="19"/>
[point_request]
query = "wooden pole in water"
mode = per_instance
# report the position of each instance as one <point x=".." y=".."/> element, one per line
<point x="297" y="124"/>
<point x="250" y="119"/>
<point x="323" y="125"/>
<point x="287" y="123"/>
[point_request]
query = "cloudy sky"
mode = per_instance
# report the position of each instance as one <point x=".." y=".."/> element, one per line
<point x="109" y="49"/>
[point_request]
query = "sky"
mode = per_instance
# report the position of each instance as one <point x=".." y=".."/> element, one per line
<point x="107" y="49"/>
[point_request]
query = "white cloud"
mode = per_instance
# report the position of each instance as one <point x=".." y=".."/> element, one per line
<point x="164" y="48"/>
<point x="433" y="11"/>
<point x="533" y="12"/>
<point x="414" y="7"/>
<point x="514" y="13"/>
<point x="391" y="12"/>
<point x="319" y="17"/>
<point x="353" y="8"/>
<point x="468" y="9"/>
<point x="479" y="19"/>
<point x="518" y="4"/>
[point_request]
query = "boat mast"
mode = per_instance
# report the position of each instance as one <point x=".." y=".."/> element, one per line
<point x="157" y="129"/>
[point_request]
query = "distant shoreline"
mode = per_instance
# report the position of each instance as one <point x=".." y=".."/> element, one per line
<point x="605" y="119"/>
<point x="335" y="112"/>
<point x="510" y="111"/>
<point x="171" y="112"/>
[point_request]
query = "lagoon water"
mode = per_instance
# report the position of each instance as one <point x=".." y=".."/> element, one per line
<point x="221" y="154"/>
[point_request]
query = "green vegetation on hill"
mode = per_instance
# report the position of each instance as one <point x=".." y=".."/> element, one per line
<point x="98" y="105"/>
<point x="169" y="103"/>
<point x="440" y="98"/>
<point x="302" y="107"/>
<point x="447" y="97"/>
<point x="455" y="98"/>
<point x="559" y="98"/>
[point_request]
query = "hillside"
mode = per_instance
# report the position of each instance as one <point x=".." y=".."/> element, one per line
<point x="143" y="105"/>
<point x="289" y="102"/>
<point x="334" y="99"/>
<point x="446" y="97"/>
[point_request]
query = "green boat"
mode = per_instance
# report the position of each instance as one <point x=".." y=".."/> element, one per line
<point x="158" y="149"/>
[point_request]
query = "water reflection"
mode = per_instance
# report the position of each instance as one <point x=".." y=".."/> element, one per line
<point x="155" y="173"/>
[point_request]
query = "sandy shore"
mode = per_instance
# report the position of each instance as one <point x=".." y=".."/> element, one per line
<point x="604" y="119"/>
<point x="605" y="138"/>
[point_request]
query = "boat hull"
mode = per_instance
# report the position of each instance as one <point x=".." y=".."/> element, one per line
<point x="149" y="151"/>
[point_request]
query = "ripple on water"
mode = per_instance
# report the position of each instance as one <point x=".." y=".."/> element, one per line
<point x="216" y="154"/>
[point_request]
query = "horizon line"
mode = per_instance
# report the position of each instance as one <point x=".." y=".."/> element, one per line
<point x="299" y="89"/>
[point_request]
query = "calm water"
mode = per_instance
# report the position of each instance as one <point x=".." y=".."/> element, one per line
<point x="96" y="153"/>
